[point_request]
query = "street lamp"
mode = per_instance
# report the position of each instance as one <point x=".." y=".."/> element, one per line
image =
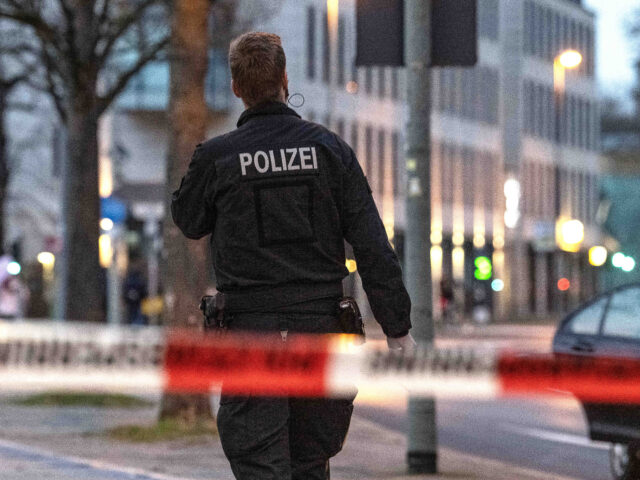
<point x="566" y="59"/>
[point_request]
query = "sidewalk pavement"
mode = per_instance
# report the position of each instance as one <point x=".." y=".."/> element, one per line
<point x="65" y="443"/>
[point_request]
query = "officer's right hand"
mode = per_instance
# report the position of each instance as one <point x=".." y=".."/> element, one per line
<point x="406" y="344"/>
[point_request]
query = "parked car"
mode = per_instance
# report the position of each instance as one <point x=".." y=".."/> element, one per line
<point x="608" y="326"/>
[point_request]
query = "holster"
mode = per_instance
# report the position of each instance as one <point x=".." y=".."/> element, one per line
<point x="350" y="317"/>
<point x="212" y="307"/>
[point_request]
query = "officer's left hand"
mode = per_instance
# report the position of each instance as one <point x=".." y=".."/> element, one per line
<point x="407" y="344"/>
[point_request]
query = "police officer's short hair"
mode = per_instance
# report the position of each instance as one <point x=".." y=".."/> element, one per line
<point x="258" y="65"/>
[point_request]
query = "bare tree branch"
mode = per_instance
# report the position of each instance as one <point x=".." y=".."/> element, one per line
<point x="19" y="77"/>
<point x="146" y="57"/>
<point x="117" y="28"/>
<point x="43" y="30"/>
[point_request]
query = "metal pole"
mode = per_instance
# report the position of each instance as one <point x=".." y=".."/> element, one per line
<point x="422" y="441"/>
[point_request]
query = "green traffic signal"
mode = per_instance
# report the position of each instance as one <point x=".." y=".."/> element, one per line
<point x="484" y="268"/>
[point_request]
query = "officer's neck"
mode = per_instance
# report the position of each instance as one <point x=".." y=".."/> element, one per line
<point x="282" y="98"/>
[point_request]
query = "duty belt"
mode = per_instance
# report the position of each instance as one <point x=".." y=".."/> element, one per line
<point x="265" y="299"/>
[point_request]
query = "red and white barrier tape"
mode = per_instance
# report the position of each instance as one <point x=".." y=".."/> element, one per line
<point x="66" y="356"/>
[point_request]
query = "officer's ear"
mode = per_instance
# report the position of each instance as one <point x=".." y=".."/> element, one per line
<point x="235" y="90"/>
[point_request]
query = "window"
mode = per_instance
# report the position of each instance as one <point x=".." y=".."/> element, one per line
<point x="548" y="33"/>
<point x="588" y="126"/>
<point x="544" y="27"/>
<point x="326" y="51"/>
<point x="447" y="173"/>
<point x="382" y="84"/>
<point x="587" y="320"/>
<point x="468" y="183"/>
<point x="354" y="137"/>
<point x="526" y="43"/>
<point x="493" y="93"/>
<point x="557" y="47"/>
<point x="488" y="182"/>
<point x="488" y="17"/>
<point x="526" y="110"/>
<point x="539" y="94"/>
<point x="368" y="80"/>
<point x="341" y="52"/>
<point x="575" y="38"/>
<point x="368" y="151"/>
<point x="311" y="42"/>
<point x="443" y="90"/>
<point x="340" y="128"/>
<point x="550" y="112"/>
<point x="565" y="33"/>
<point x="589" y="51"/>
<point x="395" y="154"/>
<point x="465" y="91"/>
<point x="381" y="161"/>
<point x="622" y="318"/>
<point x="395" y="88"/>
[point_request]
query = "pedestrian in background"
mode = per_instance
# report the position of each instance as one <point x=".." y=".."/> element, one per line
<point x="14" y="296"/>
<point x="279" y="195"/>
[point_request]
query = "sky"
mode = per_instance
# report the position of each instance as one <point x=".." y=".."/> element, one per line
<point x="615" y="52"/>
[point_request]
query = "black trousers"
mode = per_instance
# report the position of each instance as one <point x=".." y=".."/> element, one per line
<point x="282" y="438"/>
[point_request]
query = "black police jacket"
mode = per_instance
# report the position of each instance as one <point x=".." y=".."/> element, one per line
<point x="279" y="195"/>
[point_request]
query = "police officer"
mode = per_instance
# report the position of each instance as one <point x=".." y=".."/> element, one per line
<point x="279" y="195"/>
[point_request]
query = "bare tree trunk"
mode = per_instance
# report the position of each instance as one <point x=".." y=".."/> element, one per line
<point x="81" y="213"/>
<point x="4" y="166"/>
<point x="82" y="276"/>
<point x="186" y="272"/>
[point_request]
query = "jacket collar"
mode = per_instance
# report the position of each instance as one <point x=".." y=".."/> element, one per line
<point x="266" y="108"/>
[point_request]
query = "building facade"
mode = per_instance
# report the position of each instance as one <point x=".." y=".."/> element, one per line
<point x="510" y="155"/>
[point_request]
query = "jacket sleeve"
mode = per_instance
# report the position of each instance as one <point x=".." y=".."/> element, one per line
<point x="377" y="263"/>
<point x="192" y="205"/>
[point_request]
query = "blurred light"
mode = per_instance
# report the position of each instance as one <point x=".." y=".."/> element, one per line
<point x="597" y="256"/>
<point x="457" y="259"/>
<point x="629" y="264"/>
<point x="106" y="250"/>
<point x="512" y="188"/>
<point x="14" y="268"/>
<point x="484" y="268"/>
<point x="564" y="284"/>
<point x="573" y="231"/>
<point x="457" y="239"/>
<point x="351" y="265"/>
<point x="570" y="58"/>
<point x="47" y="259"/>
<point x="105" y="175"/>
<point x="497" y="285"/>
<point x="569" y="234"/>
<point x="478" y="240"/>
<point x="498" y="241"/>
<point x="106" y="224"/>
<point x="618" y="259"/>
<point x="332" y="16"/>
<point x="436" y="255"/>
<point x="352" y="87"/>
<point x="511" y="218"/>
<point x="512" y="202"/>
<point x="436" y="237"/>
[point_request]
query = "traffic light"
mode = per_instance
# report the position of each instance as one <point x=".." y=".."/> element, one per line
<point x="484" y="268"/>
